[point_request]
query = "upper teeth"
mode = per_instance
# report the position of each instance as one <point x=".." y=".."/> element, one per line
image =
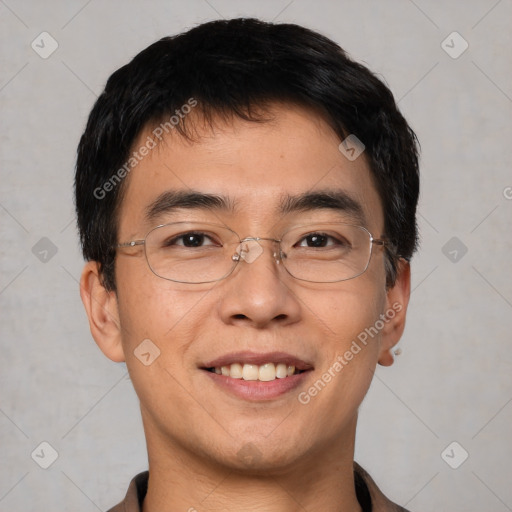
<point x="265" y="372"/>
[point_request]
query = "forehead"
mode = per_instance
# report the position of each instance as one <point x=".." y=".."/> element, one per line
<point x="255" y="166"/>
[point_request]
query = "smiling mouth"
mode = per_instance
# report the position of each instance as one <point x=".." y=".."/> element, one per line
<point x="253" y="372"/>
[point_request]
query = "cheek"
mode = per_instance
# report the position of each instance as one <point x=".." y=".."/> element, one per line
<point x="348" y="346"/>
<point x="159" y="319"/>
<point x="151" y="307"/>
<point x="346" y="309"/>
<point x="354" y="341"/>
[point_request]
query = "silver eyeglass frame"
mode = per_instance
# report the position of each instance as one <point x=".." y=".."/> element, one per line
<point x="278" y="256"/>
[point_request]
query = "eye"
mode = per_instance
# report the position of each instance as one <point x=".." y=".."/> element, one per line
<point x="320" y="240"/>
<point x="192" y="239"/>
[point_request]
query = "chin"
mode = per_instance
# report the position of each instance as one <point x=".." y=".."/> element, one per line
<point x="261" y="459"/>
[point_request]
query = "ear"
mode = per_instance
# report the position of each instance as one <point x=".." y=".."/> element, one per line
<point x="101" y="307"/>
<point x="396" y="304"/>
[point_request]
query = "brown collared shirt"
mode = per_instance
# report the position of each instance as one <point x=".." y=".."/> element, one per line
<point x="369" y="495"/>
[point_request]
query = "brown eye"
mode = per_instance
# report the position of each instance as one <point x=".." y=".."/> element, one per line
<point x="193" y="240"/>
<point x="189" y="240"/>
<point x="316" y="240"/>
<point x="320" y="240"/>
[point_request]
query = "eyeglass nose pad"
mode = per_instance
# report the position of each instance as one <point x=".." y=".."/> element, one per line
<point x="279" y="256"/>
<point x="249" y="251"/>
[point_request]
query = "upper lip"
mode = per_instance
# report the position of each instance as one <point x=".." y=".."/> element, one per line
<point x="248" y="357"/>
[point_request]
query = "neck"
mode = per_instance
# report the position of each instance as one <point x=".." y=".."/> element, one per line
<point x="184" y="481"/>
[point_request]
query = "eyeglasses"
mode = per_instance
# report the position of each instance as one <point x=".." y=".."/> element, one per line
<point x="196" y="253"/>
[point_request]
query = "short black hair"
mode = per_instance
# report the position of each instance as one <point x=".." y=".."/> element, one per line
<point x="238" y="67"/>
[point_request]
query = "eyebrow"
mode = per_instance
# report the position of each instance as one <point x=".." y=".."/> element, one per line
<point x="171" y="200"/>
<point x="338" y="200"/>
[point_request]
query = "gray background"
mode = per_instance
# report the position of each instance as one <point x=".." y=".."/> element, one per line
<point x="453" y="379"/>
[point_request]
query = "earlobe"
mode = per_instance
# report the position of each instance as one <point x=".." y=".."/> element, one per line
<point x="397" y="302"/>
<point x="102" y="311"/>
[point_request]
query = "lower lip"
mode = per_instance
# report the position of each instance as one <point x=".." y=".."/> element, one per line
<point x="256" y="390"/>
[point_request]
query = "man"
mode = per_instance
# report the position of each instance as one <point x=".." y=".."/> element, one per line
<point x="246" y="199"/>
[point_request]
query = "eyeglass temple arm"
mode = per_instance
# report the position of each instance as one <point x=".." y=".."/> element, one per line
<point x="386" y="243"/>
<point x="131" y="244"/>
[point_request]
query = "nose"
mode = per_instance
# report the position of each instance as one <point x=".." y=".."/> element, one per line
<point x="259" y="293"/>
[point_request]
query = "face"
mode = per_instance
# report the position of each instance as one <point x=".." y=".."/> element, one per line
<point x="259" y="314"/>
